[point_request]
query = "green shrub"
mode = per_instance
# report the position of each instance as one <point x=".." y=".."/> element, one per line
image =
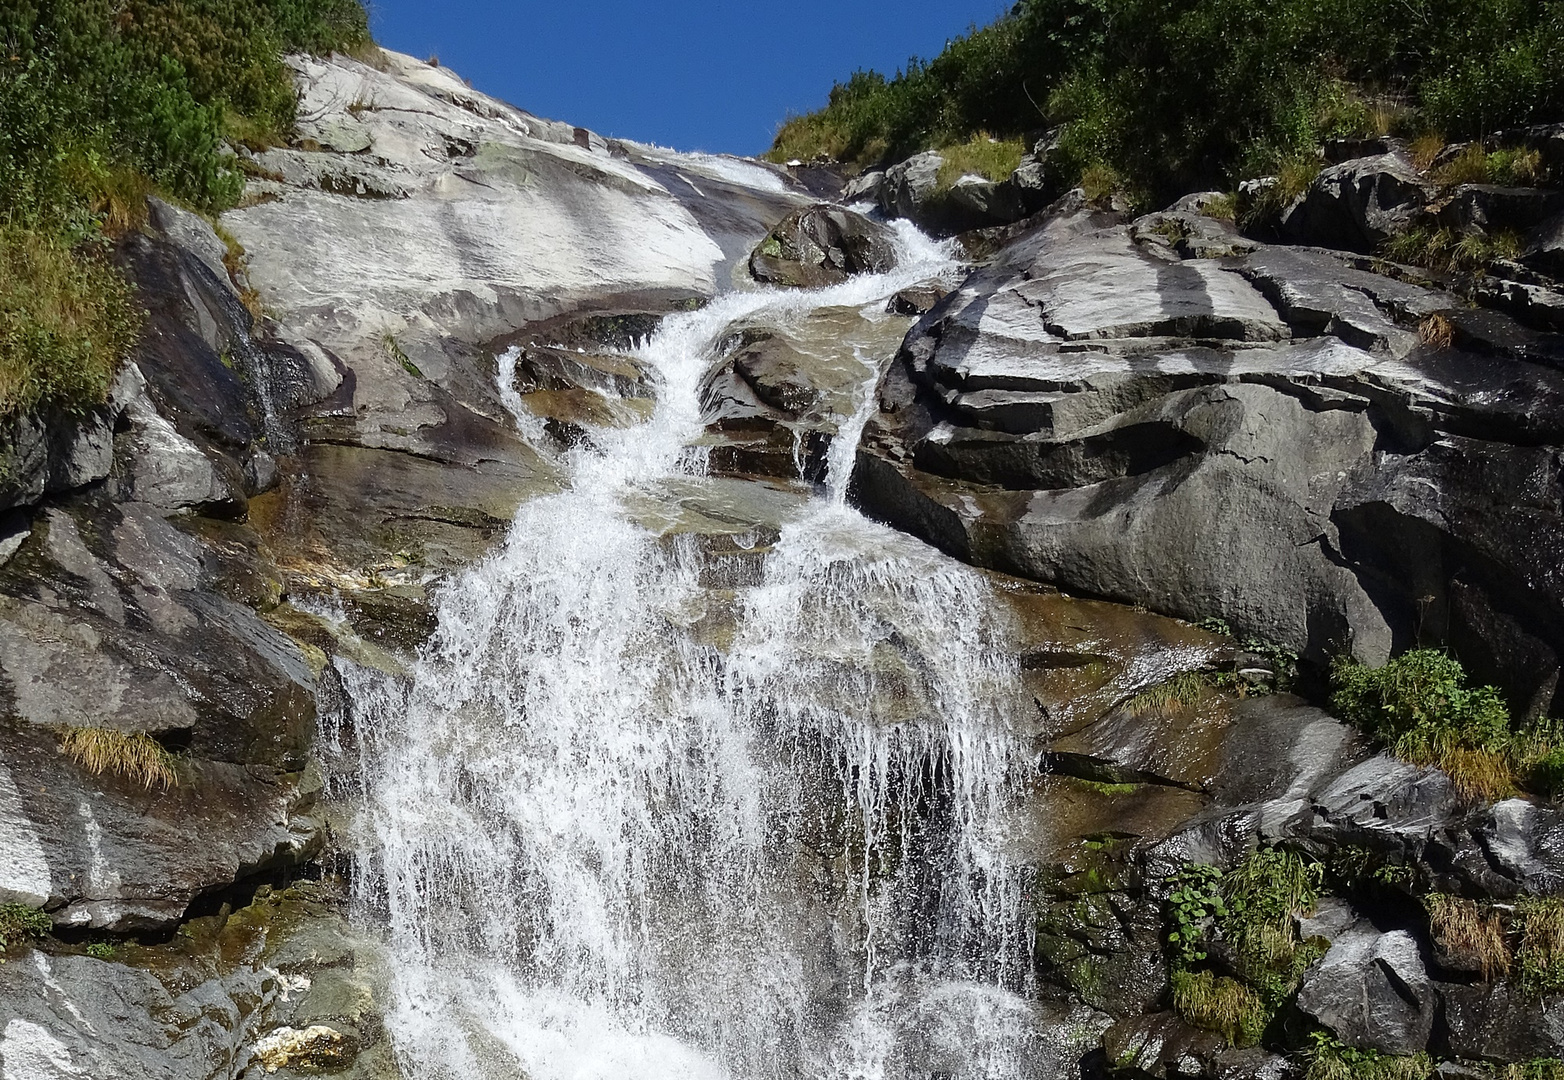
<point x="1175" y="96"/>
<point x="65" y="321"/>
<point x="1420" y="706"/>
<point x="101" y="101"/>
<point x="100" y="950"/>
<point x="20" y="924"/>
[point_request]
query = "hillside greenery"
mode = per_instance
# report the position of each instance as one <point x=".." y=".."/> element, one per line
<point x="101" y="103"/>
<point x="1177" y="95"/>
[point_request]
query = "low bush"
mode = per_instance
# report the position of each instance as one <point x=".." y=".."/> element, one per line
<point x="1174" y="97"/>
<point x="65" y="321"/>
<point x="1420" y="706"/>
<point x="101" y="102"/>
<point x="20" y="924"/>
<point x="135" y="755"/>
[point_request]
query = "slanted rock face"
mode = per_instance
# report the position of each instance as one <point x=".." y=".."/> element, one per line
<point x="1262" y="436"/>
<point x="821" y="246"/>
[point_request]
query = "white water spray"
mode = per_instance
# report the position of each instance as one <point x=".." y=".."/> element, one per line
<point x="610" y="843"/>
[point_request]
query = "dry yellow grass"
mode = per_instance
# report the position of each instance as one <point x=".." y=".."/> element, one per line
<point x="134" y="755"/>
<point x="1464" y="926"/>
<point x="1437" y="331"/>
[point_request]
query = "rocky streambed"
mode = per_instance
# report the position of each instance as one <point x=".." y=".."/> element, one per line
<point x="475" y="556"/>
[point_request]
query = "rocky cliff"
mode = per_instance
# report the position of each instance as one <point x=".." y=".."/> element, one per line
<point x="310" y="432"/>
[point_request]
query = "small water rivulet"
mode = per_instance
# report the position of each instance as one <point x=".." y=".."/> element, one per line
<point x="654" y="803"/>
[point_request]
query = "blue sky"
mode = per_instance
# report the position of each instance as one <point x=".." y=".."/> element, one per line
<point x="715" y="76"/>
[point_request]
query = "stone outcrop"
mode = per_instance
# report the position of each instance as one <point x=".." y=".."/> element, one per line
<point x="1359" y="204"/>
<point x="1278" y="436"/>
<point x="822" y="246"/>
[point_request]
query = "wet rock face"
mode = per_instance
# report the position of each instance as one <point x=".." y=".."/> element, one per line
<point x="821" y="246"/>
<point x="1358" y="204"/>
<point x="285" y="986"/>
<point x="1271" y="435"/>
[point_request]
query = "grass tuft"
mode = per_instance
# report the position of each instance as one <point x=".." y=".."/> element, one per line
<point x="1221" y="1004"/>
<point x="135" y="755"/>
<point x="992" y="159"/>
<point x="65" y="322"/>
<point x="1464" y="926"/>
<point x="1541" y="952"/>
<point x="1437" y="331"/>
<point x="1182" y="693"/>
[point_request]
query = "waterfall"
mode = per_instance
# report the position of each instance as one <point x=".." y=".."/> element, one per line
<point x="654" y="806"/>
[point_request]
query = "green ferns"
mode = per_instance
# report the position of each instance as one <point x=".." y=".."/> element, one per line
<point x="1250" y="914"/>
<point x="1419" y="705"/>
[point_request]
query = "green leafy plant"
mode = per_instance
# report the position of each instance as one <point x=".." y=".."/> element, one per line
<point x="20" y="924"/>
<point x="1421" y="707"/>
<point x="1194" y="904"/>
<point x="1328" y="1059"/>
<point x="100" y="950"/>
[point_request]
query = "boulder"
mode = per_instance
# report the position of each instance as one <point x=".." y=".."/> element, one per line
<point x="1544" y="250"/>
<point x="910" y="185"/>
<point x="917" y="300"/>
<point x="1492" y="208"/>
<point x="823" y="245"/>
<point x="1161" y="1045"/>
<point x="1500" y="1022"/>
<point x="865" y="187"/>
<point x="1265" y="437"/>
<point x="1357" y="205"/>
<point x="1372" y="991"/>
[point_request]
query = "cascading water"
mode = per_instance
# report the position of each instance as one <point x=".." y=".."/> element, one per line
<point x="608" y="847"/>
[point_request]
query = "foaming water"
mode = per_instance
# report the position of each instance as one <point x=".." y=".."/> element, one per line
<point x="611" y="842"/>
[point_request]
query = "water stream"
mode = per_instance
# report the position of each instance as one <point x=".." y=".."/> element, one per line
<point x="657" y="803"/>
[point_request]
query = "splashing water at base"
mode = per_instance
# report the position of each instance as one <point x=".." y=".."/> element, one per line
<point x="607" y="847"/>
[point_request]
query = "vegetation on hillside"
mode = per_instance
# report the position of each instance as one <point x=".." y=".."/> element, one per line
<point x="101" y="103"/>
<point x="1176" y="95"/>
